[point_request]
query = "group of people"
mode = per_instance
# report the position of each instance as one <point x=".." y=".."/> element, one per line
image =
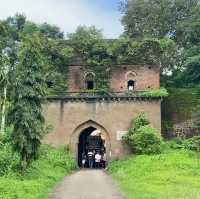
<point x="94" y="159"/>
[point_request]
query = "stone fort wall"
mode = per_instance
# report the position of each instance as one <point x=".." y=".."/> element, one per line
<point x="69" y="117"/>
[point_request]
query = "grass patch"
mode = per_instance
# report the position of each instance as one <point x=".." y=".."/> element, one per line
<point x="39" y="178"/>
<point x="173" y="175"/>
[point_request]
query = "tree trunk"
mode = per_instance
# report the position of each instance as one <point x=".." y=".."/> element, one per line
<point x="3" y="114"/>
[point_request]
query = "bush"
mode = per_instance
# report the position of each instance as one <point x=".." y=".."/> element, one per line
<point x="139" y="121"/>
<point x="192" y="143"/>
<point x="9" y="161"/>
<point x="146" y="141"/>
<point x="188" y="144"/>
<point x="162" y="92"/>
<point x="142" y="138"/>
<point x="176" y="143"/>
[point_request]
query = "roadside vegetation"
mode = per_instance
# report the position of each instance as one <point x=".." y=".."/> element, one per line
<point x="174" y="174"/>
<point x="39" y="178"/>
<point x="158" y="168"/>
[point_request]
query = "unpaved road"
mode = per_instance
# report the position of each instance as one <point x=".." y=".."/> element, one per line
<point x="87" y="184"/>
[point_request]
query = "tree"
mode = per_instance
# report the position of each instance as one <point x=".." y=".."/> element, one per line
<point x="89" y="45"/>
<point x="28" y="93"/>
<point x="157" y="19"/>
<point x="175" y="20"/>
<point x="50" y="31"/>
<point x="6" y="64"/>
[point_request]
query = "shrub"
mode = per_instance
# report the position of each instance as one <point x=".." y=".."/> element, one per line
<point x="188" y="144"/>
<point x="139" y="121"/>
<point x="162" y="92"/>
<point x="146" y="141"/>
<point x="192" y="143"/>
<point x="142" y="138"/>
<point x="9" y="161"/>
<point x="176" y="143"/>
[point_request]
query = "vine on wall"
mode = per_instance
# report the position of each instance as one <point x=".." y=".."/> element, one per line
<point x="100" y="55"/>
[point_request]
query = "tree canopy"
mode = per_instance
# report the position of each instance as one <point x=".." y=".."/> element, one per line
<point x="175" y="20"/>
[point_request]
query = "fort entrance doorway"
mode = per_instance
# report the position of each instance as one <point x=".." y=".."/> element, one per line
<point x="91" y="148"/>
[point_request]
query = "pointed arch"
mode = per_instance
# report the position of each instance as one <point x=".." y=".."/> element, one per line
<point x="74" y="140"/>
<point x="89" y="80"/>
<point x="130" y="75"/>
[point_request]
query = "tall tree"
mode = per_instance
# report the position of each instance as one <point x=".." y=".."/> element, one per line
<point x="153" y="18"/>
<point x="7" y="60"/>
<point x="177" y="20"/>
<point x="28" y="95"/>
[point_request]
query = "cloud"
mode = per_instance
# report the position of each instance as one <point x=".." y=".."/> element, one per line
<point x="67" y="14"/>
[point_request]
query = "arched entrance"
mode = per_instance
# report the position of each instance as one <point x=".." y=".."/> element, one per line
<point x="91" y="141"/>
<point x="79" y="139"/>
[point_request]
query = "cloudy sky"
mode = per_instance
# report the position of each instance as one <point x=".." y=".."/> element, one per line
<point x="68" y="14"/>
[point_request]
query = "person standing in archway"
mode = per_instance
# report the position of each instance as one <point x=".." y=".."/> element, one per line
<point x="90" y="159"/>
<point x="83" y="160"/>
<point x="97" y="159"/>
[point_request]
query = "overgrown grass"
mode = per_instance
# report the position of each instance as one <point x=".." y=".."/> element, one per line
<point x="39" y="179"/>
<point x="173" y="175"/>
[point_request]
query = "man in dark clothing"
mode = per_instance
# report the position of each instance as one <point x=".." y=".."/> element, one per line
<point x="90" y="159"/>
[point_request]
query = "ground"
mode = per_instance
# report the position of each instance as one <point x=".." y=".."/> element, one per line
<point x="87" y="184"/>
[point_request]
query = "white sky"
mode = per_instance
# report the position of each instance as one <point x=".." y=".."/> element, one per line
<point x="67" y="14"/>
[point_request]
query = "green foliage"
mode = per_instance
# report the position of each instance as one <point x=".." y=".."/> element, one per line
<point x="176" y="143"/>
<point x="169" y="57"/>
<point x="100" y="55"/>
<point x="162" y="92"/>
<point x="192" y="72"/>
<point x="196" y="116"/>
<point x="88" y="43"/>
<point x="188" y="144"/>
<point x="9" y="161"/>
<point x="176" y="24"/>
<point x="127" y="50"/>
<point x="28" y="93"/>
<point x="50" y="31"/>
<point x="155" y="19"/>
<point x="142" y="138"/>
<point x="173" y="175"/>
<point x="57" y="55"/>
<point x="146" y="140"/>
<point x="45" y="29"/>
<point x="139" y="121"/>
<point x="167" y="128"/>
<point x="38" y="180"/>
<point x="180" y="104"/>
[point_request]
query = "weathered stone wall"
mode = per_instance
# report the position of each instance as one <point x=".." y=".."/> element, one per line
<point x="68" y="118"/>
<point x="145" y="77"/>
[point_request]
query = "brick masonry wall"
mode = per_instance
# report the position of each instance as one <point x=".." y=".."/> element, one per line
<point x="145" y="77"/>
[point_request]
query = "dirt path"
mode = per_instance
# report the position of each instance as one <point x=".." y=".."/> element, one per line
<point x="87" y="184"/>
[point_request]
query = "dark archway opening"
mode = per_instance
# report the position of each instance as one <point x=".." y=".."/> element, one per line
<point x="90" y="143"/>
<point x="131" y="85"/>
<point x="90" y="85"/>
